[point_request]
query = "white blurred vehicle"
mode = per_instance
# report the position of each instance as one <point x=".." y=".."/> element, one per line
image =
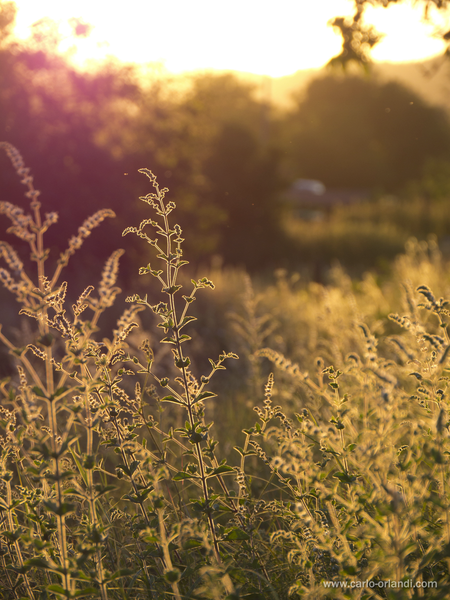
<point x="312" y="201"/>
<point x="309" y="185"/>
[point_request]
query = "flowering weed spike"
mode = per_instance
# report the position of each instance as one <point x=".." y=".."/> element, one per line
<point x="81" y="303"/>
<point x="24" y="173"/>
<point x="107" y="291"/>
<point x="11" y="258"/>
<point x="21" y="223"/>
<point x="84" y="231"/>
<point x="149" y="174"/>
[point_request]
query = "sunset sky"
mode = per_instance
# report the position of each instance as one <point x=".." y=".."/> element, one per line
<point x="255" y="36"/>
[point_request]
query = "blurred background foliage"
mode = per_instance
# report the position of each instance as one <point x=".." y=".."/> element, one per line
<point x="227" y="156"/>
<point x="351" y="131"/>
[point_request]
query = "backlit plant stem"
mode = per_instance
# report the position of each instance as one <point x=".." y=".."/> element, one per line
<point x="171" y="281"/>
<point x="61" y="520"/>
<point x="16" y="542"/>
<point x="91" y="493"/>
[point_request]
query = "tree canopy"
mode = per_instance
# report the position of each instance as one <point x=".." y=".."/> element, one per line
<point x="353" y="132"/>
<point x="86" y="134"/>
<point x="359" y="37"/>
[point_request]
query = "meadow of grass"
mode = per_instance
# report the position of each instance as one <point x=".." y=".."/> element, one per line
<point x="369" y="234"/>
<point x="328" y="458"/>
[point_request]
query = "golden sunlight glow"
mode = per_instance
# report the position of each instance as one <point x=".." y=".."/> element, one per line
<point x="255" y="36"/>
<point x="407" y="37"/>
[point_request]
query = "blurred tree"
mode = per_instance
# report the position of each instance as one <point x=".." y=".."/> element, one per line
<point x="239" y="168"/>
<point x="85" y="135"/>
<point x="433" y="183"/>
<point x="358" y="37"/>
<point x="55" y="115"/>
<point x="244" y="182"/>
<point x="355" y="132"/>
<point x="194" y="138"/>
<point x="7" y="18"/>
